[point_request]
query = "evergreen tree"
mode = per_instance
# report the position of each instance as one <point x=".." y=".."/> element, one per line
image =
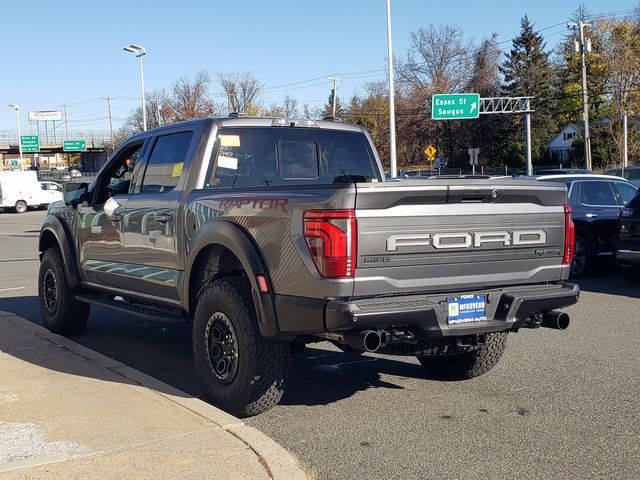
<point x="527" y="71"/>
<point x="328" y="107"/>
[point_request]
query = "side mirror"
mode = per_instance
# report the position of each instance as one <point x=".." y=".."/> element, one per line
<point x="74" y="192"/>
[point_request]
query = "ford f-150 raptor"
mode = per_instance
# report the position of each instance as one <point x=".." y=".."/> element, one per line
<point x="268" y="234"/>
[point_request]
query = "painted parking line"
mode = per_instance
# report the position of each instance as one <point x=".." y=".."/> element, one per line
<point x="12" y="289"/>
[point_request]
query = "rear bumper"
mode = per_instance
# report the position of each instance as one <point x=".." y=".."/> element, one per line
<point x="507" y="309"/>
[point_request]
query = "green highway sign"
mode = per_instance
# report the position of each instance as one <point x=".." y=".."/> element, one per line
<point x="30" y="143"/>
<point x="74" y="146"/>
<point x="455" y="106"/>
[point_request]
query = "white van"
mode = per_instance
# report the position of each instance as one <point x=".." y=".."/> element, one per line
<point x="20" y="190"/>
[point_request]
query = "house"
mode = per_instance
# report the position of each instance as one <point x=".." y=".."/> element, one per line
<point x="560" y="145"/>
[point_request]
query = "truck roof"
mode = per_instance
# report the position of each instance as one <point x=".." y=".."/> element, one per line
<point x="261" y="122"/>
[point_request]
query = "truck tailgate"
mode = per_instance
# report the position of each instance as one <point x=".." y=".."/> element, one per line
<point x="458" y="235"/>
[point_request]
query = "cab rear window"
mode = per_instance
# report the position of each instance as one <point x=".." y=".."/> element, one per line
<point x="269" y="156"/>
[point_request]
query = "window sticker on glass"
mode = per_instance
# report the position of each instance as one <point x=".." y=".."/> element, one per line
<point x="177" y="169"/>
<point x="229" y="140"/>
<point x="228" y="162"/>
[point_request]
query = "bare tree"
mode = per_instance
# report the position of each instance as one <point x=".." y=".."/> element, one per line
<point x="290" y="107"/>
<point x="242" y="90"/>
<point x="438" y="60"/>
<point x="191" y="97"/>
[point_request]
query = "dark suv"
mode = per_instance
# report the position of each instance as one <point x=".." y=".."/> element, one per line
<point x="628" y="248"/>
<point x="596" y="201"/>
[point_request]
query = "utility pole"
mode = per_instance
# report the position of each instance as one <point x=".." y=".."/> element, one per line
<point x="108" y="99"/>
<point x="583" y="46"/>
<point x="335" y="81"/>
<point x="392" y="109"/>
<point x="625" y="151"/>
<point x="66" y="123"/>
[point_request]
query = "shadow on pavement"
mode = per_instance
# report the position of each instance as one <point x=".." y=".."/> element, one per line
<point x="608" y="278"/>
<point x="317" y="377"/>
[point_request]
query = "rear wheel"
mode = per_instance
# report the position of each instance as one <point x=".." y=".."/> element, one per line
<point x="21" y="206"/>
<point x="239" y="369"/>
<point x="582" y="259"/>
<point x="461" y="366"/>
<point x="61" y="312"/>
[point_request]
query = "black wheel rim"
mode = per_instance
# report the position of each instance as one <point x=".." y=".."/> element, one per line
<point x="222" y="347"/>
<point x="580" y="258"/>
<point x="50" y="291"/>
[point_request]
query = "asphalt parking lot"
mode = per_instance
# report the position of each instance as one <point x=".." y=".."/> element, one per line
<point x="558" y="405"/>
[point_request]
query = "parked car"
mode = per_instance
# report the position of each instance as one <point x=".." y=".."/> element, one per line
<point x="562" y="171"/>
<point x="630" y="173"/>
<point x="596" y="201"/>
<point x="628" y="247"/>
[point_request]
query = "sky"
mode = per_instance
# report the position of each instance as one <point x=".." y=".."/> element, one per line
<point x="70" y="52"/>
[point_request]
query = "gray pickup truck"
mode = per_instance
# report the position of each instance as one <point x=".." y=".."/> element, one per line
<point x="269" y="234"/>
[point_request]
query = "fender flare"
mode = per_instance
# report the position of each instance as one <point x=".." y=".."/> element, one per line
<point x="232" y="237"/>
<point x="53" y="225"/>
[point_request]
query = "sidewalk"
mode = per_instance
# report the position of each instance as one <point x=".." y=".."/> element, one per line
<point x="69" y="412"/>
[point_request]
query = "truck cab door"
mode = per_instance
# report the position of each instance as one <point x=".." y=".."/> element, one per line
<point x="99" y="225"/>
<point x="153" y="239"/>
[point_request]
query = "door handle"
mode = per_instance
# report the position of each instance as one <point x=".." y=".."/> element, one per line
<point x="163" y="217"/>
<point x="591" y="215"/>
<point x="116" y="217"/>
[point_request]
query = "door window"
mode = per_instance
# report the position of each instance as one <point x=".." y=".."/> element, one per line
<point x="625" y="192"/>
<point x="598" y="193"/>
<point x="166" y="162"/>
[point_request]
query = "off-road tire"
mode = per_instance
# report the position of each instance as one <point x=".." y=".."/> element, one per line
<point x="21" y="206"/>
<point x="68" y="316"/>
<point x="462" y="366"/>
<point x="262" y="365"/>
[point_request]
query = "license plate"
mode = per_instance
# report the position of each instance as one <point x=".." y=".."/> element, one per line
<point x="467" y="308"/>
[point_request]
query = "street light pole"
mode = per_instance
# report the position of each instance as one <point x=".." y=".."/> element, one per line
<point x="625" y="151"/>
<point x="140" y="52"/>
<point x="16" y="107"/>
<point x="392" y="109"/>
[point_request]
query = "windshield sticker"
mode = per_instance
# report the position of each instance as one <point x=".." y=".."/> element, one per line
<point x="177" y="169"/>
<point x="229" y="140"/>
<point x="228" y="162"/>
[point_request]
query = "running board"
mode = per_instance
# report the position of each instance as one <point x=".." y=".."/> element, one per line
<point x="148" y="313"/>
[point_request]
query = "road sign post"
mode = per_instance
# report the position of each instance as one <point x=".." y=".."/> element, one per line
<point x="473" y="159"/>
<point x="455" y="106"/>
<point x="74" y="146"/>
<point x="30" y="143"/>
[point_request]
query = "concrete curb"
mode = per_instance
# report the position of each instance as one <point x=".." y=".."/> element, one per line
<point x="280" y="464"/>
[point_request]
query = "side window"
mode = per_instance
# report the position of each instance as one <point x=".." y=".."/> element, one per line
<point x="166" y="162"/>
<point x="44" y="186"/>
<point x="598" y="193"/>
<point x="625" y="192"/>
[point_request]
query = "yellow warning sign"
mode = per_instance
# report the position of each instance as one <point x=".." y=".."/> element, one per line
<point x="430" y="151"/>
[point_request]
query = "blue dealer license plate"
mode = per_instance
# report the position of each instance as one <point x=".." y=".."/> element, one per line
<point x="467" y="308"/>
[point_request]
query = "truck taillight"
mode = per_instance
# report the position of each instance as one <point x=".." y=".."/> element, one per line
<point x="331" y="236"/>
<point x="569" y="237"/>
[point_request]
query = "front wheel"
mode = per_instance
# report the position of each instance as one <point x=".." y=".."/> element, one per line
<point x="240" y="370"/>
<point x="61" y="312"/>
<point x="21" y="206"/>
<point x="461" y="366"/>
